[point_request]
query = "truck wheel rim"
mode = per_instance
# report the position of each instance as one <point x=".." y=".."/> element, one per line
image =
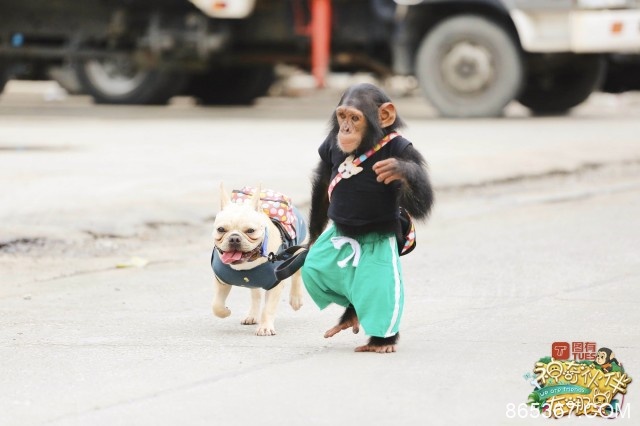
<point x="467" y="68"/>
<point x="114" y="77"/>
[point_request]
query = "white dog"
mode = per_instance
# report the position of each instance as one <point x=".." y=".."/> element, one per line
<point x="244" y="236"/>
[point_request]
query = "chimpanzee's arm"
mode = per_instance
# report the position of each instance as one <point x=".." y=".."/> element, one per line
<point x="318" y="216"/>
<point x="417" y="194"/>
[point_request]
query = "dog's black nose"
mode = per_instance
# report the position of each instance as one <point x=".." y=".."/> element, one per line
<point x="235" y="240"/>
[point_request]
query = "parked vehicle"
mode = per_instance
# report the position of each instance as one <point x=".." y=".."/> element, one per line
<point x="470" y="57"/>
<point x="474" y="57"/>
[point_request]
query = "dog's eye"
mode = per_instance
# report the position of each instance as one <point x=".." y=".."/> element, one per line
<point x="220" y="229"/>
<point x="250" y="231"/>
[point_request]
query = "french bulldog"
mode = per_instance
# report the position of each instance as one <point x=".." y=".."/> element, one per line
<point x="243" y="236"/>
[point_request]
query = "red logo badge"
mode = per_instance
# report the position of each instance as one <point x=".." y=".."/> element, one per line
<point x="560" y="350"/>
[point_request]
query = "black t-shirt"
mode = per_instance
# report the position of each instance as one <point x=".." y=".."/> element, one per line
<point x="360" y="199"/>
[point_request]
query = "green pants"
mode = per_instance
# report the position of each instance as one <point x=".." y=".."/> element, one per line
<point x="364" y="272"/>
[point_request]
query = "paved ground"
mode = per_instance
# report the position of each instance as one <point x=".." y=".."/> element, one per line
<point x="534" y="239"/>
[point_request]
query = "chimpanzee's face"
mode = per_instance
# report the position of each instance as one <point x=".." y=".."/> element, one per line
<point x="353" y="126"/>
<point x="601" y="358"/>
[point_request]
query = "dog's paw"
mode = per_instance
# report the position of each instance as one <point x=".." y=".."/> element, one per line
<point x="221" y="311"/>
<point x="267" y="330"/>
<point x="295" y="302"/>
<point x="249" y="321"/>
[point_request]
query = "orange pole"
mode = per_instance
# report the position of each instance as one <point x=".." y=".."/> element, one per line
<point x="320" y="40"/>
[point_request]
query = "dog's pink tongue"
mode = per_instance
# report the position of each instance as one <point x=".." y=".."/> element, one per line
<point x="231" y="256"/>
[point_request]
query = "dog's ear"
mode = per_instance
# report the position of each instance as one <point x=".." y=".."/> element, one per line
<point x="255" y="201"/>
<point x="224" y="197"/>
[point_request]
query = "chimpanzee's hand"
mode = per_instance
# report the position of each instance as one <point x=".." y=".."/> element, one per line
<point x="389" y="170"/>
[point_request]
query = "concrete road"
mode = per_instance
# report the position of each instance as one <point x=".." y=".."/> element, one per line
<point x="105" y="289"/>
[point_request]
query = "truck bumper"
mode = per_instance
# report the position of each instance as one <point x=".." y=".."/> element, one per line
<point x="579" y="31"/>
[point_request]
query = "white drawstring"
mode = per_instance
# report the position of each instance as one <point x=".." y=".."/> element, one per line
<point x="338" y="242"/>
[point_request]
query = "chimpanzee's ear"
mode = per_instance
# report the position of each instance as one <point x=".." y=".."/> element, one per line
<point x="386" y="114"/>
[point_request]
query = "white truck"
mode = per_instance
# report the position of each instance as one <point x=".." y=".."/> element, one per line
<point x="470" y="57"/>
<point x="474" y="57"/>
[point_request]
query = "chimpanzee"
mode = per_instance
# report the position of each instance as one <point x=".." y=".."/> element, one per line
<point x="366" y="172"/>
<point x="606" y="361"/>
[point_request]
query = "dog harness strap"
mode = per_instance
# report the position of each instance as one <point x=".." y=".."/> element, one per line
<point x="357" y="161"/>
<point x="338" y="242"/>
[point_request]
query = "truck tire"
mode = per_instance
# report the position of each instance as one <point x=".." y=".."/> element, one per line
<point x="231" y="85"/>
<point x="469" y="66"/>
<point x="120" y="81"/>
<point x="558" y="83"/>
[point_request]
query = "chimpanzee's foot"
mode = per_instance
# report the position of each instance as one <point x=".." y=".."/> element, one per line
<point x="381" y="345"/>
<point x="348" y="320"/>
